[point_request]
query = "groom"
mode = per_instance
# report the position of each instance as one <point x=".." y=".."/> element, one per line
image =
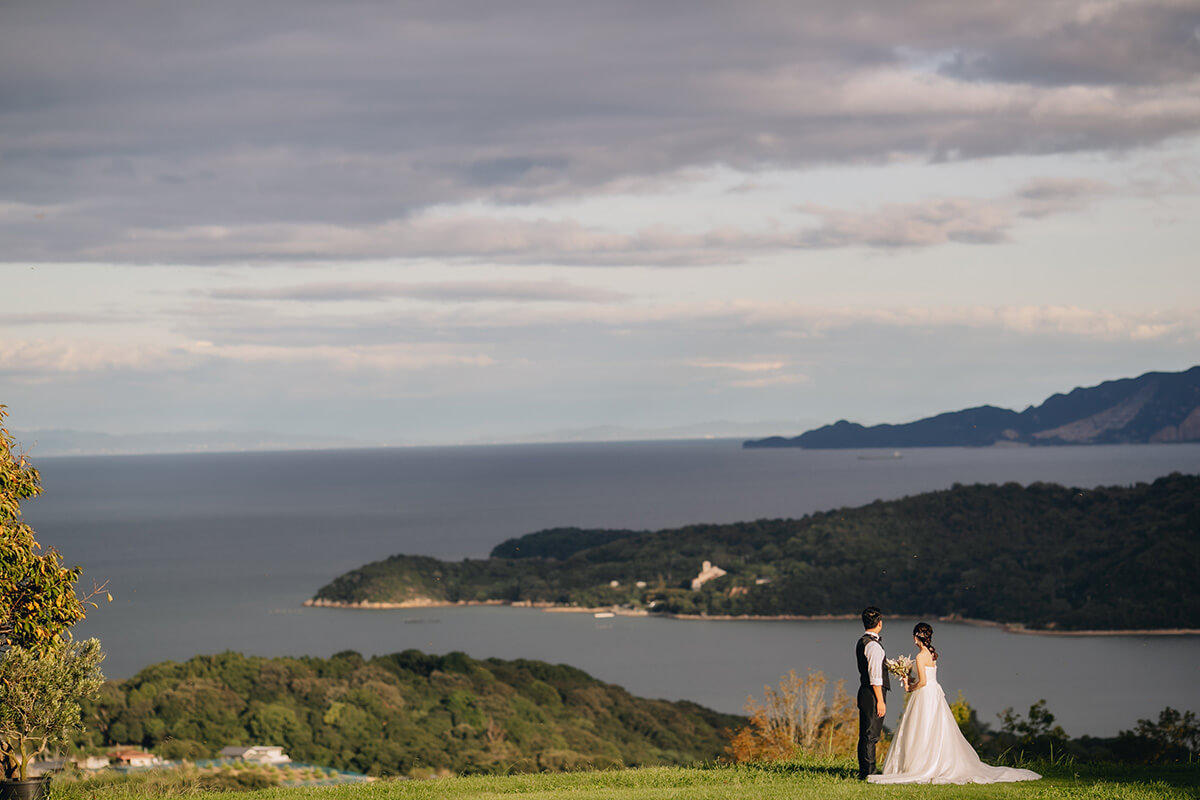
<point x="873" y="685"/>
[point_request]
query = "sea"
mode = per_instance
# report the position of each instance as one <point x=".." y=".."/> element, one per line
<point x="204" y="553"/>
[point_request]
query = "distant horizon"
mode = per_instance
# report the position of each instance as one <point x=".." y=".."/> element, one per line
<point x="67" y="442"/>
<point x="279" y="442"/>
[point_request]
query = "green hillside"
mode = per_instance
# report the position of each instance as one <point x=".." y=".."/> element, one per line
<point x="403" y="714"/>
<point x="1044" y="556"/>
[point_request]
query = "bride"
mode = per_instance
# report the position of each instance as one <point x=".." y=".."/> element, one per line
<point x="928" y="747"/>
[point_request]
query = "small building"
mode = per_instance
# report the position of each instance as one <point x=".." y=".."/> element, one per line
<point x="133" y="759"/>
<point x="257" y="754"/>
<point x="707" y="573"/>
<point x="91" y="763"/>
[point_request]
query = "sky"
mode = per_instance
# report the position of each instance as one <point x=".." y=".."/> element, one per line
<point x="450" y="221"/>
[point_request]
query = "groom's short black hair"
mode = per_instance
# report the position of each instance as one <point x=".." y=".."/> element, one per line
<point x="871" y="617"/>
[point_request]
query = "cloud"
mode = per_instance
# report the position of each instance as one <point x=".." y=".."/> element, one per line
<point x="1045" y="196"/>
<point x="34" y="357"/>
<point x="738" y="339"/>
<point x="770" y="381"/>
<point x="1181" y="324"/>
<point x="22" y="318"/>
<point x="357" y="358"/>
<point x="254" y="132"/>
<point x="740" y="366"/>
<point x="498" y="238"/>
<point x="448" y="292"/>
<point x="1092" y="43"/>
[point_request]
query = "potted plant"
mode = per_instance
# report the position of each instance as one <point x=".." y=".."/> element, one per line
<point x="40" y="692"/>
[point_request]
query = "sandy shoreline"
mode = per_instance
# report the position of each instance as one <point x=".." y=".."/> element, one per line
<point x="424" y="602"/>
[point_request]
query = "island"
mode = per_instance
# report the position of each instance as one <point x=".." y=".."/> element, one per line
<point x="1156" y="407"/>
<point x="1040" y="557"/>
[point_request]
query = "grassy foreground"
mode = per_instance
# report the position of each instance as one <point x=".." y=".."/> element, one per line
<point x="780" y="781"/>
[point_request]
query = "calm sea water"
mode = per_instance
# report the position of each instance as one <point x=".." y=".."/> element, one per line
<point x="205" y="553"/>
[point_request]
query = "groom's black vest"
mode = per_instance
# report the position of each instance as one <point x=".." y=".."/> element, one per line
<point x="864" y="671"/>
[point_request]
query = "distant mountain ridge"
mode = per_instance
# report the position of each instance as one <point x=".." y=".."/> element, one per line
<point x="1155" y="407"/>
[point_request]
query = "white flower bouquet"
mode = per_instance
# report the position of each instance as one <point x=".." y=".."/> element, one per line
<point x="900" y="666"/>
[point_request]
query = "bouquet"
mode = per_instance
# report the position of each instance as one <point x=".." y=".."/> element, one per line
<point x="900" y="666"/>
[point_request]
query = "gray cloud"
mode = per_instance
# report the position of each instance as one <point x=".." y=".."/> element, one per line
<point x="126" y="121"/>
<point x="460" y="291"/>
<point x="493" y="239"/>
<point x="1123" y="43"/>
<point x="729" y="330"/>
<point x="22" y="318"/>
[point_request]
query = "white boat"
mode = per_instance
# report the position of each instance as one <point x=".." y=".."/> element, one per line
<point x="604" y="615"/>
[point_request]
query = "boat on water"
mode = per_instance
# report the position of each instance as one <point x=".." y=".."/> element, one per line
<point x="604" y="615"/>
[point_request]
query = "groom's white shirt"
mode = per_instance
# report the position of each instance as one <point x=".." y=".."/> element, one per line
<point x="874" y="653"/>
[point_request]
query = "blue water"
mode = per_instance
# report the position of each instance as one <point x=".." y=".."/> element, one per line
<point x="210" y="552"/>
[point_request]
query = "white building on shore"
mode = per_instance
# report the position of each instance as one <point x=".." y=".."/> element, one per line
<point x="707" y="573"/>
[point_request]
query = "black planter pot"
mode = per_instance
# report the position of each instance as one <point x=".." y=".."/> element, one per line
<point x="35" y="789"/>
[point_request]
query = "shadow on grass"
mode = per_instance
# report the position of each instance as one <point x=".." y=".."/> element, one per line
<point x="1183" y="775"/>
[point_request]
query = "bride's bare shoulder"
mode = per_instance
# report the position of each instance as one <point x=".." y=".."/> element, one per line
<point x="926" y="658"/>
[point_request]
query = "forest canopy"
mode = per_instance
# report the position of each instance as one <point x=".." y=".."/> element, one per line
<point x="403" y="714"/>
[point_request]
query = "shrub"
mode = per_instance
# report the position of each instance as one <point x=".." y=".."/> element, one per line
<point x="797" y="718"/>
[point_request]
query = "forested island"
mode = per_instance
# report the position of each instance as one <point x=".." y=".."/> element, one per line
<point x="404" y="714"/>
<point x="1155" y="407"/>
<point x="1043" y="557"/>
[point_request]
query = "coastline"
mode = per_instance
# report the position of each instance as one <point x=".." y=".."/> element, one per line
<point x="1006" y="627"/>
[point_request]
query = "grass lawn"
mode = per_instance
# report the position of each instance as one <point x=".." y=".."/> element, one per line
<point x="783" y="781"/>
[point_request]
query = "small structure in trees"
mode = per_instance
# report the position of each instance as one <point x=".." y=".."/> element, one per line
<point x="259" y="754"/>
<point x="708" y="572"/>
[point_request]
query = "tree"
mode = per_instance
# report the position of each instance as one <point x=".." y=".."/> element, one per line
<point x="797" y="717"/>
<point x="39" y="698"/>
<point x="38" y="602"/>
<point x="43" y="674"/>
<point x="1175" y="737"/>
<point x="1035" y="735"/>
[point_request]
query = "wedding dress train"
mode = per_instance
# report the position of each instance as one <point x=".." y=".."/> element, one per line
<point x="929" y="747"/>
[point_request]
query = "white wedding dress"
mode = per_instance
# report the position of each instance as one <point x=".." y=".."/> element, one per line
<point x="929" y="747"/>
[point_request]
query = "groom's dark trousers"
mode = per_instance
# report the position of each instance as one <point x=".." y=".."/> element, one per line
<point x="870" y="724"/>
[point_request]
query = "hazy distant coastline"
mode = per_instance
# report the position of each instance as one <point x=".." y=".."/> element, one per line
<point x="59" y="443"/>
<point x="55" y="443"/>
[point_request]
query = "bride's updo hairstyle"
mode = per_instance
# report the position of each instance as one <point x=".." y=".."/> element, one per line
<point x="924" y="634"/>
